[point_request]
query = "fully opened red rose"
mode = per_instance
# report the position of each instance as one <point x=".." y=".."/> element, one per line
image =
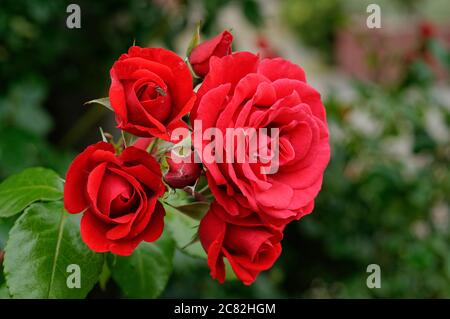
<point x="151" y="90"/>
<point x="250" y="247"/>
<point x="242" y="91"/>
<point x="118" y="196"/>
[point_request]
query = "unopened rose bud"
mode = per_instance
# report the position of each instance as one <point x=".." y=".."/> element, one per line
<point x="427" y="30"/>
<point x="183" y="171"/>
<point x="218" y="46"/>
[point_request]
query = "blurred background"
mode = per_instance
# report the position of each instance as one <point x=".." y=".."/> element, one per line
<point x="386" y="192"/>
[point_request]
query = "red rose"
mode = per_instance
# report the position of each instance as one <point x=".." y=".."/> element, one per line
<point x="250" y="247"/>
<point x="151" y="90"/>
<point x="241" y="91"/>
<point x="118" y="196"/>
<point x="183" y="171"/>
<point x="218" y="46"/>
<point x="427" y="30"/>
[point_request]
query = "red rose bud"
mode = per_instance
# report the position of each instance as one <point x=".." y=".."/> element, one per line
<point x="427" y="30"/>
<point x="218" y="46"/>
<point x="183" y="171"/>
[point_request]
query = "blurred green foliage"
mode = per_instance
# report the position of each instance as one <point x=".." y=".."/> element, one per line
<point x="385" y="198"/>
<point x="48" y="71"/>
<point x="315" y="22"/>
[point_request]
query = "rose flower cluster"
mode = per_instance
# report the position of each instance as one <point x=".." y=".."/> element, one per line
<point x="119" y="188"/>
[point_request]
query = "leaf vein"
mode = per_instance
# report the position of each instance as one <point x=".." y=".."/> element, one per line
<point x="57" y="249"/>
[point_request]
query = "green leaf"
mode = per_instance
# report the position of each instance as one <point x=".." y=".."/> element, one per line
<point x="195" y="210"/>
<point x="4" y="293"/>
<point x="5" y="225"/>
<point x="102" y="101"/>
<point x="184" y="231"/>
<point x="33" y="184"/>
<point x="146" y="272"/>
<point x="177" y="197"/>
<point x="44" y="241"/>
